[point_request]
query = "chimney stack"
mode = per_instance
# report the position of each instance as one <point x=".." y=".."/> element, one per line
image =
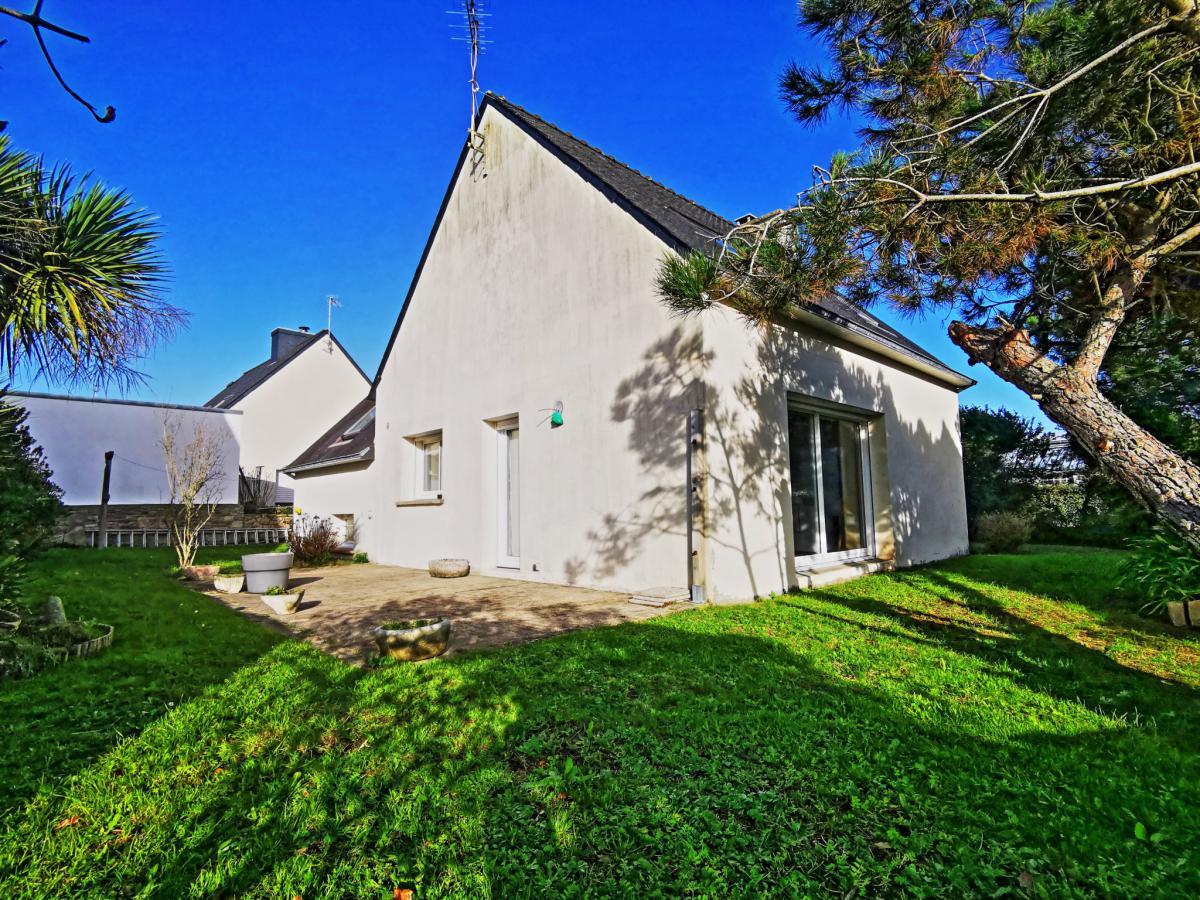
<point x="285" y="340"/>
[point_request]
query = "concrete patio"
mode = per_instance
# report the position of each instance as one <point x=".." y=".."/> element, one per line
<point x="343" y="603"/>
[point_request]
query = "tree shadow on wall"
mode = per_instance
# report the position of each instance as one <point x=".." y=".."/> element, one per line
<point x="747" y="451"/>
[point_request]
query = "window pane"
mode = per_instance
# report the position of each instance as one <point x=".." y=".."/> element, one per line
<point x="433" y="466"/>
<point x="841" y="481"/>
<point x="514" y="495"/>
<point x="803" y="463"/>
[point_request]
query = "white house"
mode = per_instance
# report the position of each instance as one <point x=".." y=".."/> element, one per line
<point x="539" y="412"/>
<point x="291" y="399"/>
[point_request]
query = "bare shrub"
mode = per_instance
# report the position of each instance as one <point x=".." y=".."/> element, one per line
<point x="194" y="473"/>
<point x="313" y="539"/>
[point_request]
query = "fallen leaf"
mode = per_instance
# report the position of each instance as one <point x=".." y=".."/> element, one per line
<point x="68" y="822"/>
<point x="402" y="894"/>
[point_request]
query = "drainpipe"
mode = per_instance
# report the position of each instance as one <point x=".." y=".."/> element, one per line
<point x="695" y="440"/>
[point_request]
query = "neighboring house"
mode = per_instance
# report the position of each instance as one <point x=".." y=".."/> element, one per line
<point x="76" y="432"/>
<point x="816" y="448"/>
<point x="334" y="478"/>
<point x="290" y="400"/>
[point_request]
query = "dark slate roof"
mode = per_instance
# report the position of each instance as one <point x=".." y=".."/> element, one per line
<point x="335" y="447"/>
<point x="252" y="378"/>
<point x="686" y="226"/>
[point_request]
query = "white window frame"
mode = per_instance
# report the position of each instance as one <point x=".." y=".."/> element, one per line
<point x="421" y="447"/>
<point x="817" y="411"/>
<point x="503" y="559"/>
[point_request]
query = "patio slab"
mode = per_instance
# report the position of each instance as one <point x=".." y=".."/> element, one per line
<point x="343" y="603"/>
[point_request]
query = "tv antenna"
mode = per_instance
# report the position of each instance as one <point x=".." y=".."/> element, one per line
<point x="330" y="302"/>
<point x="473" y="28"/>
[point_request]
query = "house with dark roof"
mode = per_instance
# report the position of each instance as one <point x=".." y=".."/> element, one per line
<point x="289" y="400"/>
<point x="539" y="412"/>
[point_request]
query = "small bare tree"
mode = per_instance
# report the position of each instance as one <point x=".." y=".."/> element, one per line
<point x="194" y="472"/>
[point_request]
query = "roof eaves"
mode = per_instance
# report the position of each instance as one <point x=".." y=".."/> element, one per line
<point x="366" y="454"/>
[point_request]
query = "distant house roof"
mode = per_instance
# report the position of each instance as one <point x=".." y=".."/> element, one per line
<point x="684" y="226"/>
<point x="351" y="440"/>
<point x="252" y="378"/>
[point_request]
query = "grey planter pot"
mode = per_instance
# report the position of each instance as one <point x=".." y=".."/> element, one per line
<point x="418" y="639"/>
<point x="266" y="570"/>
<point x="229" y="584"/>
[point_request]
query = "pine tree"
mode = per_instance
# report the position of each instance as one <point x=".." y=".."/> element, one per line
<point x="1033" y="167"/>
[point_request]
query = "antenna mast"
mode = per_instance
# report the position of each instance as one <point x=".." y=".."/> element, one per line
<point x="330" y="302"/>
<point x="474" y="28"/>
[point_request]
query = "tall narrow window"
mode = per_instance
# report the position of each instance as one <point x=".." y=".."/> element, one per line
<point x="429" y="466"/>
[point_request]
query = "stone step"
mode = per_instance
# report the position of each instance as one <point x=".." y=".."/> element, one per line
<point x="660" y="596"/>
<point x="826" y="574"/>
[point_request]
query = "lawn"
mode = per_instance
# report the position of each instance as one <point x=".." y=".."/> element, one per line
<point x="989" y="726"/>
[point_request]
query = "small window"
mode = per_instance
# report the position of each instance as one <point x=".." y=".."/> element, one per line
<point x="429" y="465"/>
<point x="360" y="424"/>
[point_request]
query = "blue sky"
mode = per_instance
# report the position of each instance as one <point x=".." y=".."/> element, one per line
<point x="294" y="150"/>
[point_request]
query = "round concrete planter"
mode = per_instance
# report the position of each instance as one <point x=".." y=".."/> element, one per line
<point x="410" y="641"/>
<point x="229" y="584"/>
<point x="201" y="573"/>
<point x="283" y="604"/>
<point x="449" y="568"/>
<point x="266" y="570"/>
<point x="93" y="646"/>
<point x="1184" y="614"/>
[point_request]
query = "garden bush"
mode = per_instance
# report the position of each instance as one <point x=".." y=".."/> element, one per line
<point x="1003" y="532"/>
<point x="313" y="539"/>
<point x="1161" y="567"/>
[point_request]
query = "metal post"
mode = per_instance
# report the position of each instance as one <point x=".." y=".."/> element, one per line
<point x="695" y="440"/>
<point x="104" y="497"/>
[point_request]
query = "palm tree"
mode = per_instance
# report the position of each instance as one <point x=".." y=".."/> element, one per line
<point x="80" y="276"/>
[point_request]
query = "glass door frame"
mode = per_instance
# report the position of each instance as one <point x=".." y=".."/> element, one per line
<point x="504" y="430"/>
<point x="816" y="412"/>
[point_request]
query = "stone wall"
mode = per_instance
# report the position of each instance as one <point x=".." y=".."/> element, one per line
<point x="79" y="520"/>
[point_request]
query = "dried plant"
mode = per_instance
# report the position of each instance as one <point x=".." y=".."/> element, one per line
<point x="313" y="539"/>
<point x="194" y="472"/>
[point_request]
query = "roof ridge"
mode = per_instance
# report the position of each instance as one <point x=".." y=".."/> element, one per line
<point x="607" y="156"/>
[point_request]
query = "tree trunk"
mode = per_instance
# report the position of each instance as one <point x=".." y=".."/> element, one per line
<point x="1158" y="477"/>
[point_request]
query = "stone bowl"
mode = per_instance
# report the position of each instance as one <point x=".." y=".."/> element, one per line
<point x="413" y="640"/>
<point x="229" y="584"/>
<point x="201" y="573"/>
<point x="449" y="568"/>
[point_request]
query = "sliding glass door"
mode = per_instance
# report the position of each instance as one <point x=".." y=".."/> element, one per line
<point x="828" y="462"/>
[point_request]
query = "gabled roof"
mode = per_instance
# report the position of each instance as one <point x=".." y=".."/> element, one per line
<point x="252" y="378"/>
<point x="684" y="226"/>
<point x="342" y="444"/>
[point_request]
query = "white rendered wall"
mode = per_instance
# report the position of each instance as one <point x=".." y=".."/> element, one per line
<point x="915" y="449"/>
<point x="340" y="491"/>
<point x="295" y="406"/>
<point x="74" y="433"/>
<point x="537" y="289"/>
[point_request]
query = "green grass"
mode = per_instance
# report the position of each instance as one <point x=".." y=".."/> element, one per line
<point x="990" y="726"/>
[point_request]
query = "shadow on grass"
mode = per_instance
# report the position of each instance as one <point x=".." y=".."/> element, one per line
<point x="669" y="757"/>
<point x="1016" y="647"/>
